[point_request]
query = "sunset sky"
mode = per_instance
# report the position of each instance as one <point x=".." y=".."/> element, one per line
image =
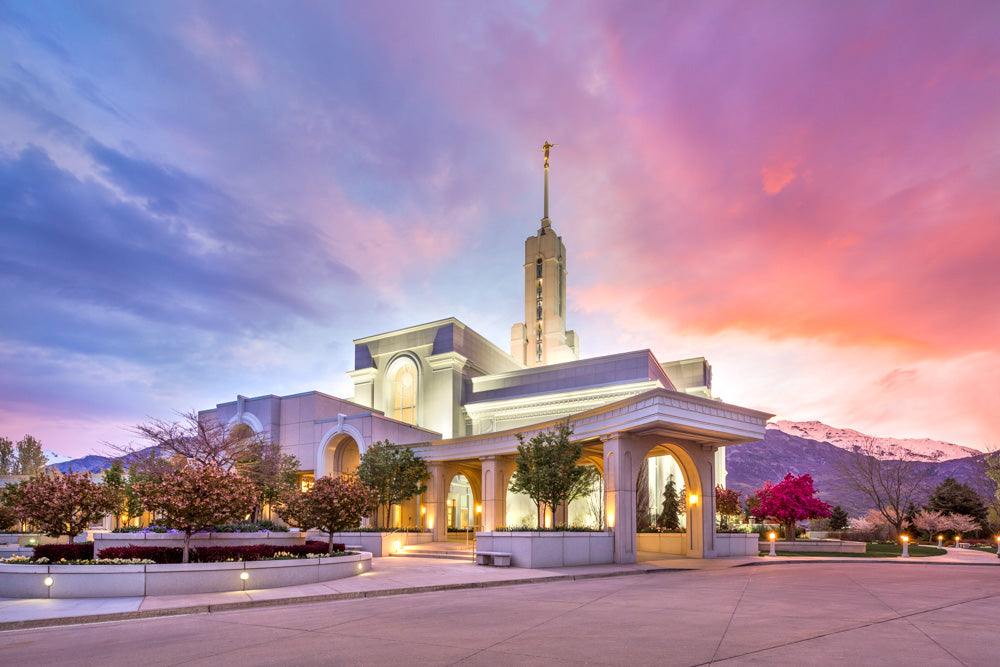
<point x="199" y="200"/>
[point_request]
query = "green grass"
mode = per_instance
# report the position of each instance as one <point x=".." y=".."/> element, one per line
<point x="871" y="551"/>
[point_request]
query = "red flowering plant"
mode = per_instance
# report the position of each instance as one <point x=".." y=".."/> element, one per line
<point x="727" y="504"/>
<point x="790" y="501"/>
<point x="196" y="498"/>
<point x="63" y="504"/>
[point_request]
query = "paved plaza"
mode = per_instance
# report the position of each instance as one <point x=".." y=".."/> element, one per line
<point x="791" y="612"/>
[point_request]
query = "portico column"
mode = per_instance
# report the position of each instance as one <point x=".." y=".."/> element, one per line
<point x="621" y="457"/>
<point x="495" y="476"/>
<point x="436" y="519"/>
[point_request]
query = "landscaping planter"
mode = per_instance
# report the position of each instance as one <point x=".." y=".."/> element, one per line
<point x="544" y="549"/>
<point x="662" y="543"/>
<point x="90" y="581"/>
<point x="817" y="545"/>
<point x="730" y="545"/>
<point x="378" y="544"/>
<point x="106" y="540"/>
<point x="31" y="539"/>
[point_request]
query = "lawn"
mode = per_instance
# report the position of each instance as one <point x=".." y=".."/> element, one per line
<point x="873" y="550"/>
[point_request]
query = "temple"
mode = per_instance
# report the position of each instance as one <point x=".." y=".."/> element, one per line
<point x="460" y="401"/>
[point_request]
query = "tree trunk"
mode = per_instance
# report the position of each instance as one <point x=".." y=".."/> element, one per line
<point x="329" y="545"/>
<point x="187" y="545"/>
<point x="790" y="531"/>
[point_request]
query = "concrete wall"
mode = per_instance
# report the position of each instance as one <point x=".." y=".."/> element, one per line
<point x="108" y="540"/>
<point x="540" y="550"/>
<point x="101" y="581"/>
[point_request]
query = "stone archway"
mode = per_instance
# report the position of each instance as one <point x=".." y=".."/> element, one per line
<point x="339" y="450"/>
<point x="463" y="500"/>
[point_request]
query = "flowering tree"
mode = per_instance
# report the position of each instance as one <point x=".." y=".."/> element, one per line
<point x="960" y="523"/>
<point x="727" y="502"/>
<point x="930" y="521"/>
<point x="195" y="498"/>
<point x="62" y="504"/>
<point x="789" y="501"/>
<point x="333" y="504"/>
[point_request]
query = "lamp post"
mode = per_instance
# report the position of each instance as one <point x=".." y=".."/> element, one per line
<point x="906" y="546"/>
<point x="771" y="537"/>
<point x="998" y="546"/>
<point x="941" y="541"/>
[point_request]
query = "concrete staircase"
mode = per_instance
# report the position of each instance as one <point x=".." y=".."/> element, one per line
<point x="444" y="550"/>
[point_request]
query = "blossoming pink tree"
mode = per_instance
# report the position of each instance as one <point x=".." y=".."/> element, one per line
<point x="790" y="501"/>
<point x="727" y="503"/>
<point x="333" y="504"/>
<point x="63" y="504"/>
<point x="196" y="498"/>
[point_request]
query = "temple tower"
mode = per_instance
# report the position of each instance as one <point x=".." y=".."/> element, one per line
<point x="542" y="338"/>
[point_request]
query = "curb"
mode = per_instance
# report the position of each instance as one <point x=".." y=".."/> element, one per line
<point x="29" y="624"/>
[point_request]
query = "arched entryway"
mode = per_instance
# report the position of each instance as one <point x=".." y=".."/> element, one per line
<point x="462" y="504"/>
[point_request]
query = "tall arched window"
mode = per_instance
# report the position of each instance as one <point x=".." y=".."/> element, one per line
<point x="404" y="392"/>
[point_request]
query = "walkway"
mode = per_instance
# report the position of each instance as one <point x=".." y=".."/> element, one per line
<point x="395" y="576"/>
<point x="895" y="613"/>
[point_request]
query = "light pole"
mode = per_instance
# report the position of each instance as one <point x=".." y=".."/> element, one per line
<point x="906" y="546"/>
<point x="771" y="537"/>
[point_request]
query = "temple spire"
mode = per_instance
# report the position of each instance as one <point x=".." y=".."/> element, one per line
<point x="545" y="149"/>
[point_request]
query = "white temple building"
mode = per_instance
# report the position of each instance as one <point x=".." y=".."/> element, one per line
<point x="459" y="401"/>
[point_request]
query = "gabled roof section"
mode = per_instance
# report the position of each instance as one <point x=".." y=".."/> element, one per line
<point x="615" y="369"/>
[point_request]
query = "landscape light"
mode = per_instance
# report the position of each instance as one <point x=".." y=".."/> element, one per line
<point x="906" y="546"/>
<point x="771" y="536"/>
<point x="244" y="575"/>
<point x="47" y="581"/>
<point x="396" y="545"/>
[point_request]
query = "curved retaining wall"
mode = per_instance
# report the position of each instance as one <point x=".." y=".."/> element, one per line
<point x="379" y="544"/>
<point x="106" y="581"/>
<point x="833" y="546"/>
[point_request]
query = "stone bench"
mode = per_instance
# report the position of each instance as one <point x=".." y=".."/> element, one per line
<point x="494" y="558"/>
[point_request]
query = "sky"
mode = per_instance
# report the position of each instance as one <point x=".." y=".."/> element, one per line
<point x="205" y="199"/>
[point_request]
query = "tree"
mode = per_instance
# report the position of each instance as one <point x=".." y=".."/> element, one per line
<point x="670" y="511"/>
<point x="890" y="483"/>
<point x="727" y="503"/>
<point x="125" y="502"/>
<point x="30" y="458"/>
<point x="954" y="497"/>
<point x="960" y="523"/>
<point x="838" y="518"/>
<point x="930" y="521"/>
<point x="790" y="501"/>
<point x="9" y="515"/>
<point x="547" y="470"/>
<point x="196" y="498"/>
<point x="63" y="504"/>
<point x="333" y="504"/>
<point x="271" y="471"/>
<point x="8" y="458"/>
<point x="393" y="474"/>
<point x="204" y="441"/>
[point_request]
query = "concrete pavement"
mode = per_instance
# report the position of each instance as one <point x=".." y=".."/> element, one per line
<point x="888" y="613"/>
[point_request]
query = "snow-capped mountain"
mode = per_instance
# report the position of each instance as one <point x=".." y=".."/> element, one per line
<point x="51" y="457"/>
<point x="914" y="449"/>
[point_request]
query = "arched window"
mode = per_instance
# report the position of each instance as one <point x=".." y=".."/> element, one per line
<point x="404" y="392"/>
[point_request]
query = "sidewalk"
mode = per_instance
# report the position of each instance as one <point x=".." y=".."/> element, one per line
<point x="394" y="576"/>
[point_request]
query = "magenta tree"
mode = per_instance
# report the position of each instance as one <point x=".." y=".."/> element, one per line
<point x="333" y="504"/>
<point x="790" y="501"/>
<point x="196" y="498"/>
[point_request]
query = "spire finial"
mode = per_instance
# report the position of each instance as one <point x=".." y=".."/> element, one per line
<point x="545" y="149"/>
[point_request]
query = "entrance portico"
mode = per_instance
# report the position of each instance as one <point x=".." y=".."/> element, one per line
<point x="620" y="435"/>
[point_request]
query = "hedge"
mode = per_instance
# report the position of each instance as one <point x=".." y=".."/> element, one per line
<point x="56" y="552"/>
<point x="248" y="552"/>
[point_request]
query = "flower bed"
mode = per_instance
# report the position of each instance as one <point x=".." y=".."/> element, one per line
<point x="252" y="552"/>
<point x="550" y="549"/>
<point x="92" y="581"/>
<point x="172" y="539"/>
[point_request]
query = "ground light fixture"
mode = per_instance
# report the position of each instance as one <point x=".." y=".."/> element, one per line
<point x="906" y="546"/>
<point x="47" y="581"/>
<point x="941" y="541"/>
<point x="772" y="536"/>
<point x="998" y="546"/>
<point x="397" y="545"/>
<point x="244" y="575"/>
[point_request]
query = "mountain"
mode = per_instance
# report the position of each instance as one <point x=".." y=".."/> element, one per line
<point x="820" y="450"/>
<point x="51" y="457"/>
<point x="911" y="449"/>
<point x="97" y="463"/>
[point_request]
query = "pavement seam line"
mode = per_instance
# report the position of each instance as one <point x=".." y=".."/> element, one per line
<point x="900" y="617"/>
<point x="732" y="615"/>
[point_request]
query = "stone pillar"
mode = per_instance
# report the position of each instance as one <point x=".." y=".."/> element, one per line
<point x="495" y="477"/>
<point x="701" y="516"/>
<point x="622" y="458"/>
<point x="436" y="518"/>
